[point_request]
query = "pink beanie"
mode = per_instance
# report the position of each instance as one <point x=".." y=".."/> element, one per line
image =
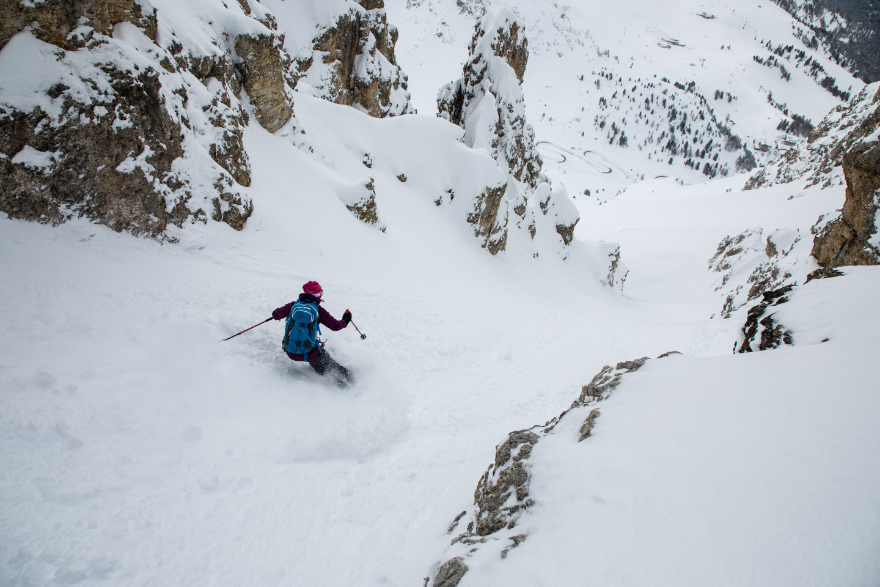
<point x="313" y="288"/>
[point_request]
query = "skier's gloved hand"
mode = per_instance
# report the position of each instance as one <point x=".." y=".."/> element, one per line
<point x="346" y="317"/>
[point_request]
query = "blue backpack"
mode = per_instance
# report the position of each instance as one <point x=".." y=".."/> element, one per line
<point x="302" y="330"/>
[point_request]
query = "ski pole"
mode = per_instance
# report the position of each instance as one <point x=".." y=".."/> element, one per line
<point x="246" y="329"/>
<point x="363" y="336"/>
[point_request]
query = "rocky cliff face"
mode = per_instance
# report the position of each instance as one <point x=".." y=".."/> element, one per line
<point x="353" y="62"/>
<point x="262" y="68"/>
<point x="130" y="117"/>
<point x="489" y="220"/>
<point x="852" y="238"/>
<point x="488" y="102"/>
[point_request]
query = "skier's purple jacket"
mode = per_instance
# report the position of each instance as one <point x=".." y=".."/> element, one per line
<point x="324" y="318"/>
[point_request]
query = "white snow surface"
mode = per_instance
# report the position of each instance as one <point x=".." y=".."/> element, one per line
<point x="137" y="449"/>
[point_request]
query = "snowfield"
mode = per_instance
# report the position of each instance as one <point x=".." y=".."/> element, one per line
<point x="137" y="449"/>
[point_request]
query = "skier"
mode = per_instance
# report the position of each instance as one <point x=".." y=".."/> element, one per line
<point x="300" y="334"/>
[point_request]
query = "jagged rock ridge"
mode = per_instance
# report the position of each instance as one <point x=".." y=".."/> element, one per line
<point x="502" y="494"/>
<point x="360" y="199"/>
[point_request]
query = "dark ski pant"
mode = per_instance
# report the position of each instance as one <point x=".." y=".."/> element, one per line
<point x="325" y="365"/>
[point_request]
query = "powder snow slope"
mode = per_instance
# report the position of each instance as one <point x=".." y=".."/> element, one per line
<point x="137" y="449"/>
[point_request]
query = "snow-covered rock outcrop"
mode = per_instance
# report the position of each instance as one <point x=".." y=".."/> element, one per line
<point x="752" y="263"/>
<point x="130" y="113"/>
<point x="761" y="327"/>
<point x="775" y="321"/>
<point x="556" y="204"/>
<point x="351" y="60"/>
<point x="488" y="102"/>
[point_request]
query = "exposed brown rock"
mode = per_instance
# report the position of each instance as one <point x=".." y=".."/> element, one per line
<point x="231" y="208"/>
<point x="262" y="73"/>
<point x="229" y="151"/>
<point x="845" y="240"/>
<point x="111" y="157"/>
<point x="614" y="265"/>
<point x="491" y="495"/>
<point x="245" y="6"/>
<point x="232" y="157"/>
<point x="218" y="66"/>
<point x="516" y="540"/>
<point x="772" y="272"/>
<point x="587" y="426"/>
<point x="372" y="4"/>
<point x="472" y="8"/>
<point x="823" y="273"/>
<point x="513" y="49"/>
<point x="556" y="204"/>
<point x="364" y="208"/>
<point x="566" y="231"/>
<point x="455" y="522"/>
<point x="450" y="573"/>
<point x="484" y="217"/>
